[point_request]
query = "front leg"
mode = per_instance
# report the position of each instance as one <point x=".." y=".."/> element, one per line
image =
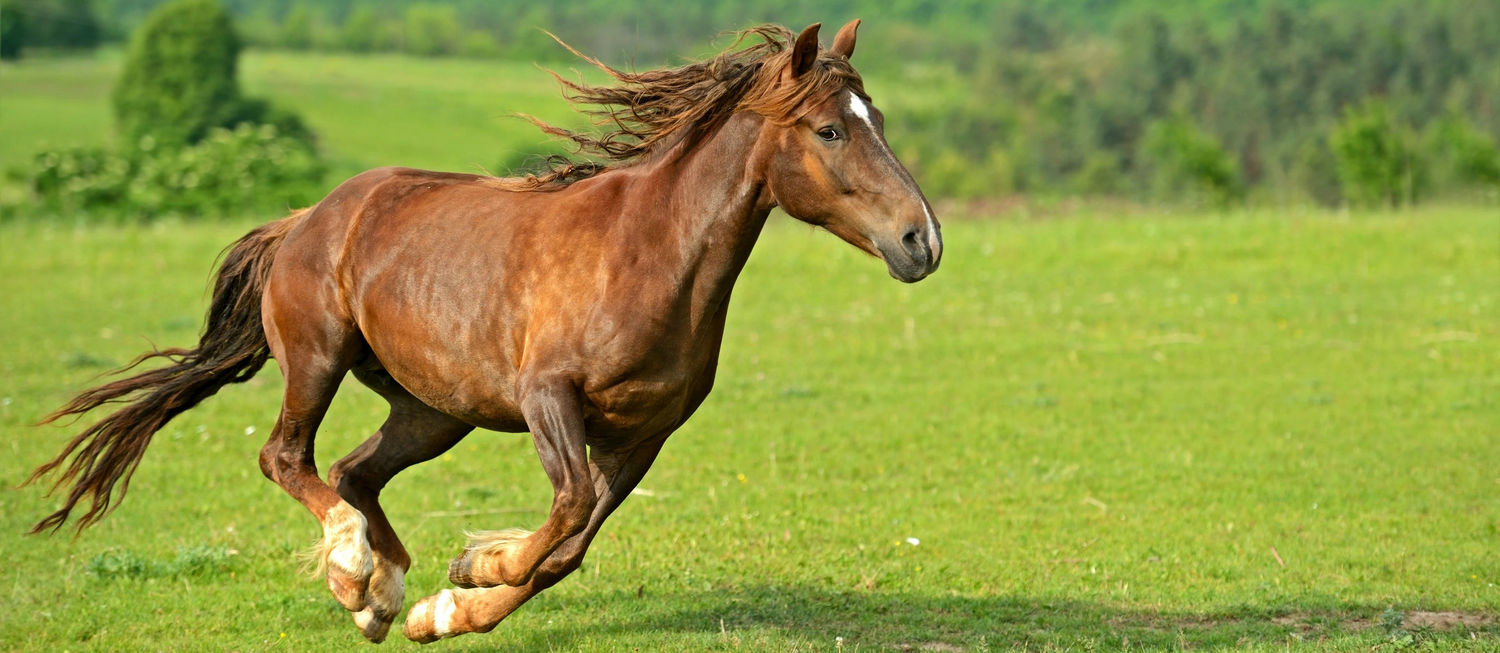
<point x="479" y="609"/>
<point x="510" y="557"/>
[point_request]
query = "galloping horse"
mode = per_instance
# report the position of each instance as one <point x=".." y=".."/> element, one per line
<point x="584" y="304"/>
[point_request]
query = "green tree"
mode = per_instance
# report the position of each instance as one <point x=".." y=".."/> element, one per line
<point x="1377" y="159"/>
<point x="12" y="30"/>
<point x="431" y="30"/>
<point x="1462" y="156"/>
<point x="67" y="24"/>
<point x="297" y="28"/>
<point x="1182" y="162"/>
<point x="180" y="75"/>
<point x="361" y="31"/>
<point x="180" y="80"/>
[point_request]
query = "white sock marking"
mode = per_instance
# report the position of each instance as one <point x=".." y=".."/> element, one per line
<point x="442" y="613"/>
<point x="344" y="535"/>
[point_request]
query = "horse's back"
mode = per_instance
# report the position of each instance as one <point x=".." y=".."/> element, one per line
<point x="410" y="262"/>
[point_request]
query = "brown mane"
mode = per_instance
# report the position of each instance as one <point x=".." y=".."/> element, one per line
<point x="650" y="108"/>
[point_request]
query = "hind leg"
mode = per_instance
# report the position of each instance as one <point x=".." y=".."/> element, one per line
<point x="413" y="433"/>
<point x="287" y="459"/>
<point x="315" y="349"/>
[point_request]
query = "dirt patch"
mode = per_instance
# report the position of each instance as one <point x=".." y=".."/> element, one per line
<point x="1447" y="620"/>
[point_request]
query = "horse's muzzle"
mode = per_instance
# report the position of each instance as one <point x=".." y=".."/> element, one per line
<point x="920" y="251"/>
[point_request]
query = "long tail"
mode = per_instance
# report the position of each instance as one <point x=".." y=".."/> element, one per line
<point x="231" y="350"/>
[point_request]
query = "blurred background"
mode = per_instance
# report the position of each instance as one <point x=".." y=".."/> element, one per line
<point x="998" y="104"/>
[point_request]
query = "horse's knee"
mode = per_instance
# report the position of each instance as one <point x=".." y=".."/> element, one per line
<point x="575" y="508"/>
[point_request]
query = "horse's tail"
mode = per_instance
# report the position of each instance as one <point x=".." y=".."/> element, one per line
<point x="231" y="350"/>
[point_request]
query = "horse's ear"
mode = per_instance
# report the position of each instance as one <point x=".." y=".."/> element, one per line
<point x="805" y="50"/>
<point x="843" y="44"/>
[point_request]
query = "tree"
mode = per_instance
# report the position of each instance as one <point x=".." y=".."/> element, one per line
<point x="361" y="31"/>
<point x="297" y="28"/>
<point x="1183" y="162"/>
<point x="180" y="80"/>
<point x="431" y="30"/>
<point x="12" y="30"/>
<point x="180" y="76"/>
<point x="68" y="24"/>
<point x="1376" y="157"/>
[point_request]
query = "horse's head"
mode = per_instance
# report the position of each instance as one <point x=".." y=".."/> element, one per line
<point x="832" y="167"/>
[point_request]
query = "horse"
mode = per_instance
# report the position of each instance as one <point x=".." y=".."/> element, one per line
<point x="583" y="303"/>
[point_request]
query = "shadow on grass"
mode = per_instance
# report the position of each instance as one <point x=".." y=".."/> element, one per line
<point x="778" y="618"/>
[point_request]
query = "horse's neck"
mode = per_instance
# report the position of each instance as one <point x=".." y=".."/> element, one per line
<point x="717" y="210"/>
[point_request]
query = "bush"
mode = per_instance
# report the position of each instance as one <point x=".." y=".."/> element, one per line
<point x="1180" y="161"/>
<point x="361" y="31"/>
<point x="1377" y="160"/>
<point x="193" y="145"/>
<point x="1462" y="156"/>
<point x="297" y="29"/>
<point x="229" y="172"/>
<point x="180" y="76"/>
<point x="431" y="30"/>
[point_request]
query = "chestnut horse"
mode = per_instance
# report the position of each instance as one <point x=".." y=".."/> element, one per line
<point x="584" y="304"/>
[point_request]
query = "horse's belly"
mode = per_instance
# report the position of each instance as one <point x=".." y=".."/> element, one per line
<point x="475" y="389"/>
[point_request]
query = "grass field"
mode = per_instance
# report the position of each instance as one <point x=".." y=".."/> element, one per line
<point x="368" y="110"/>
<point x="1208" y="432"/>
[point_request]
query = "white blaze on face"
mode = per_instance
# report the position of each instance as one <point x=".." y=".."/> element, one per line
<point x="861" y="110"/>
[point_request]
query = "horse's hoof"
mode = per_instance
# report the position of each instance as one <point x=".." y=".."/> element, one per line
<point x="431" y="619"/>
<point x="387" y="590"/>
<point x="373" y="626"/>
<point x="461" y="571"/>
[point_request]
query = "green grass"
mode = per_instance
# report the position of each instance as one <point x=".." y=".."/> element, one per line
<point x="1208" y="432"/>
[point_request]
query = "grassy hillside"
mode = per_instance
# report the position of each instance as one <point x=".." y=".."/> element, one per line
<point x="1205" y="431"/>
<point x="368" y="110"/>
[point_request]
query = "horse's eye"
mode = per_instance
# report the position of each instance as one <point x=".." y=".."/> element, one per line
<point x="828" y="134"/>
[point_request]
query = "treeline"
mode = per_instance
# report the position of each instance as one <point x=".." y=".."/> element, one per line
<point x="60" y="24"/>
<point x="1388" y="103"/>
<point x="1360" y="101"/>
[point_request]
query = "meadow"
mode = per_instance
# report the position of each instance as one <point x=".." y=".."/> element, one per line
<point x="367" y="110"/>
<point x="1202" y="431"/>
<point x="1245" y="430"/>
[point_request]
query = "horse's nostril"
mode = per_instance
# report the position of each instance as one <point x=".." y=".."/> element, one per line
<point x="912" y="242"/>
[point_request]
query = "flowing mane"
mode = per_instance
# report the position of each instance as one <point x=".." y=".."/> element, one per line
<point x="645" y="110"/>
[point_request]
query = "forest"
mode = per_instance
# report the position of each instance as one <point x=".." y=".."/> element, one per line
<point x="1204" y="103"/>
